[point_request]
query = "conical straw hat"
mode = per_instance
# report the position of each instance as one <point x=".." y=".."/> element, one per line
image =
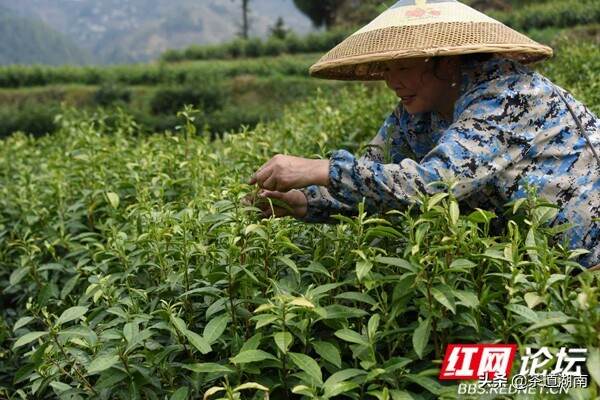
<point x="420" y="28"/>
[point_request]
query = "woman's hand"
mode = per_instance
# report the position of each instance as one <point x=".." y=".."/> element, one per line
<point x="282" y="173"/>
<point x="292" y="203"/>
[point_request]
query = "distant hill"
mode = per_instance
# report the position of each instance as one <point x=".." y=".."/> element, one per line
<point x="27" y="41"/>
<point x="119" y="31"/>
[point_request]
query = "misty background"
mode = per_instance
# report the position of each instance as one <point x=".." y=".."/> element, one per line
<point x="126" y="31"/>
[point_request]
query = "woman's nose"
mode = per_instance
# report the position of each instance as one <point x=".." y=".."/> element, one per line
<point x="393" y="80"/>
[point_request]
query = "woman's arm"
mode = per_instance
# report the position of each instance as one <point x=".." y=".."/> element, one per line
<point x="491" y="134"/>
<point x="385" y="146"/>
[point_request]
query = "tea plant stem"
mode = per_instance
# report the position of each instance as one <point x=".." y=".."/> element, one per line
<point x="231" y="303"/>
<point x="186" y="261"/>
<point x="433" y="319"/>
<point x="125" y="362"/>
<point x="283" y="355"/>
<point x="82" y="378"/>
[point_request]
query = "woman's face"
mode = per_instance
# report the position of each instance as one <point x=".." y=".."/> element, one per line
<point x="414" y="81"/>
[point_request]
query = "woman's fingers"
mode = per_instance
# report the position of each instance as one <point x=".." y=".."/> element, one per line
<point x="264" y="172"/>
<point x="270" y="183"/>
<point x="272" y="194"/>
<point x="282" y="173"/>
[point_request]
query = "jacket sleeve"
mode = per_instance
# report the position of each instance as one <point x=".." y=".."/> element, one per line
<point x="491" y="132"/>
<point x="321" y="203"/>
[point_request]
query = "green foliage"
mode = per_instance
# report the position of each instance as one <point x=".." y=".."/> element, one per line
<point x="555" y="13"/>
<point x="111" y="93"/>
<point x="208" y="97"/>
<point x="279" y="30"/>
<point x="289" y="43"/>
<point x="27" y="41"/>
<point x="35" y="119"/>
<point x="577" y="68"/>
<point x="154" y="74"/>
<point x="321" y="13"/>
<point x="130" y="270"/>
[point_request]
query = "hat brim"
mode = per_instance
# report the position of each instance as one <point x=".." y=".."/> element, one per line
<point x="359" y="56"/>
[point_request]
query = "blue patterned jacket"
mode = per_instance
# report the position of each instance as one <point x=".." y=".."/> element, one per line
<point x="509" y="129"/>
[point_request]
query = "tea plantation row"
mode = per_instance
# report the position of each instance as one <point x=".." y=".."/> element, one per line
<point x="130" y="269"/>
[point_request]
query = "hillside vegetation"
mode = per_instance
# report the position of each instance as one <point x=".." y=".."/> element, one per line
<point x="131" y="269"/>
<point x="26" y="41"/>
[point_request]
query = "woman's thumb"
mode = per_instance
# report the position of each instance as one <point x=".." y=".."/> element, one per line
<point x="272" y="194"/>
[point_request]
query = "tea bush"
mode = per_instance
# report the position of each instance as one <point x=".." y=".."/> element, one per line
<point x="130" y="269"/>
<point x="153" y="74"/>
<point x="110" y="93"/>
<point x="254" y="47"/>
<point x="555" y="13"/>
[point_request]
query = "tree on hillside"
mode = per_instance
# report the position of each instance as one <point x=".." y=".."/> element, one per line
<point x="279" y="30"/>
<point x="358" y="12"/>
<point x="320" y="12"/>
<point x="245" y="21"/>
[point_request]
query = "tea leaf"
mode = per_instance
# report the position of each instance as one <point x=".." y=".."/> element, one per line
<point x="249" y="356"/>
<point x="60" y="387"/>
<point x="401" y="395"/>
<point x="208" y="368"/>
<point x="109" y="378"/>
<point x="357" y="296"/>
<point x="200" y="343"/>
<point x="336" y="311"/>
<point x="363" y="267"/>
<point x="421" y="337"/>
<point x="212" y="390"/>
<point x="454" y="212"/>
<point x="251" y="385"/>
<point x="301" y="302"/>
<point x="17" y="275"/>
<point x="179" y="324"/>
<point x="290" y="263"/>
<point x="435" y="199"/>
<point x="593" y="364"/>
<point x="28" y="338"/>
<point x="102" y="363"/>
<point x="252" y="343"/>
<point x="328" y="352"/>
<point x="548" y="322"/>
<point x="469" y="299"/>
<point x="343" y="375"/>
<point x="22" y="322"/>
<point x="302" y="389"/>
<point x="180" y="394"/>
<point x="339" y="388"/>
<point x="373" y="325"/>
<point x="480" y="216"/>
<point x="524" y="312"/>
<point x="69" y="286"/>
<point x="462" y="264"/>
<point x="533" y="299"/>
<point x="444" y="296"/>
<point x="397" y="262"/>
<point x="72" y="314"/>
<point x="215" y="328"/>
<point x="308" y="365"/>
<point x="130" y="332"/>
<point x="351" y="336"/>
<point x="113" y="199"/>
<point x="426" y="383"/>
<point x="283" y="340"/>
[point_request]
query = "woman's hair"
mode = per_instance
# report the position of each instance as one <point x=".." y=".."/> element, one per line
<point x="464" y="59"/>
